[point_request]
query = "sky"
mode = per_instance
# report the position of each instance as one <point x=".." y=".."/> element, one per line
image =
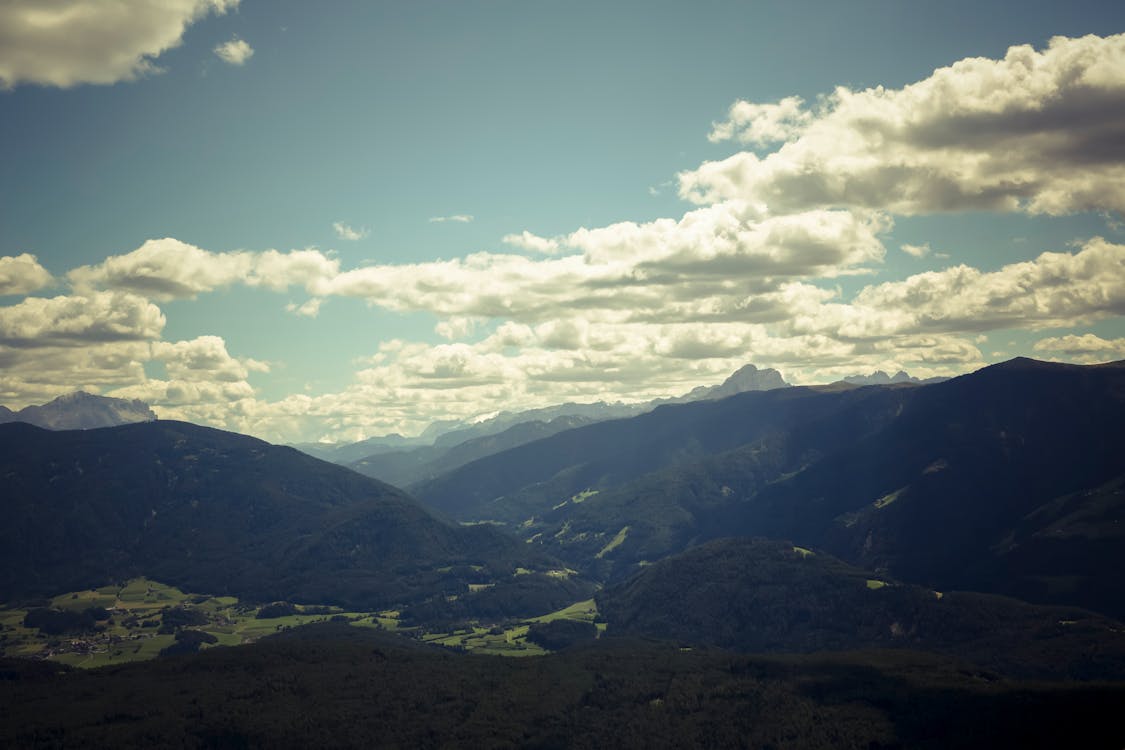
<point x="328" y="221"/>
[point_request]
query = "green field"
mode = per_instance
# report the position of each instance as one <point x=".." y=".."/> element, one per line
<point x="137" y="609"/>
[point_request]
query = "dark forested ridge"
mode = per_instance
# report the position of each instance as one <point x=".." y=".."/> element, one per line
<point x="335" y="686"/>
<point x="217" y="512"/>
<point x="768" y="596"/>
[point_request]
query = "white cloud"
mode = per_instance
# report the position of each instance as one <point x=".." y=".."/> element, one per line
<point x="345" y="232"/>
<point x="715" y="262"/>
<point x="528" y="241"/>
<point x="760" y="124"/>
<point x="68" y="42"/>
<point x="917" y="251"/>
<point x="234" y="52"/>
<point x="1088" y="348"/>
<point x="36" y="374"/>
<point x="456" y="327"/>
<point x="203" y="359"/>
<point x="1054" y="289"/>
<point x="174" y="399"/>
<point x="166" y="269"/>
<point x="456" y="218"/>
<point x="309" y="309"/>
<point x="278" y="271"/>
<point x="22" y="274"/>
<point x="1038" y="131"/>
<point x="728" y="240"/>
<point x="636" y="311"/>
<point x="79" y="319"/>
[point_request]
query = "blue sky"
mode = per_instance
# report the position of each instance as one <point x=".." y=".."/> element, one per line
<point x="236" y="210"/>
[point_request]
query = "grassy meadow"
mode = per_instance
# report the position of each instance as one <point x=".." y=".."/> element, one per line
<point x="136" y="629"/>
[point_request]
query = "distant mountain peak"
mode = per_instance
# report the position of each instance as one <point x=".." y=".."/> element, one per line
<point x="880" y="377"/>
<point x="746" y="378"/>
<point x="81" y="411"/>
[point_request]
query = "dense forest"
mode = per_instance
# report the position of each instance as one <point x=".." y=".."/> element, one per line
<point x="337" y="686"/>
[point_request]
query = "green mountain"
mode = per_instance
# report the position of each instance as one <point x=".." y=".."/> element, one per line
<point x="218" y="512"/>
<point x="1006" y="480"/>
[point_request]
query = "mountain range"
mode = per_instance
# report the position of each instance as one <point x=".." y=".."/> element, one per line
<point x="881" y="378"/>
<point x="943" y="554"/>
<point x="1005" y="480"/>
<point x="405" y="461"/>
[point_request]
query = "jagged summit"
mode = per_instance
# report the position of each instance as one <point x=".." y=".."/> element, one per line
<point x="81" y="411"/>
<point x="880" y="377"/>
<point x="746" y="378"/>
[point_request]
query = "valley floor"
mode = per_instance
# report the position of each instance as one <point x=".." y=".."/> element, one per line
<point x="136" y="627"/>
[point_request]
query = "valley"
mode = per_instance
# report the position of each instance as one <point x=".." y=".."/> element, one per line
<point x="141" y="620"/>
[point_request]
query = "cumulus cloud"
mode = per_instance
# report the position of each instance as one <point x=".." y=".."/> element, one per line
<point x="79" y="319"/>
<point x="203" y="358"/>
<point x="34" y="375"/>
<point x="22" y="274"/>
<point x="528" y="241"/>
<point x="456" y="218"/>
<point x="715" y="262"/>
<point x="166" y="269"/>
<point x="917" y="251"/>
<point x="729" y="240"/>
<point x="760" y="124"/>
<point x="1052" y="290"/>
<point x="345" y="232"/>
<point x="202" y="381"/>
<point x="68" y="42"/>
<point x="194" y="401"/>
<point x="234" y="52"/>
<point x="637" y="311"/>
<point x="456" y="327"/>
<point x="308" y="309"/>
<point x="1087" y="347"/>
<point x="1037" y="131"/>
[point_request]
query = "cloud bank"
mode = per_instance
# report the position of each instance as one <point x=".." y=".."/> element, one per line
<point x="781" y="261"/>
<point x="1038" y="131"/>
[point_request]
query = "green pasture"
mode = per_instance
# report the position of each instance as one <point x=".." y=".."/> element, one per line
<point x="140" y="601"/>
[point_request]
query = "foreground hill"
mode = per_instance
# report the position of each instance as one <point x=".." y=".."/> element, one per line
<point x="768" y="596"/>
<point x="217" y="512"/>
<point x="337" y="686"/>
